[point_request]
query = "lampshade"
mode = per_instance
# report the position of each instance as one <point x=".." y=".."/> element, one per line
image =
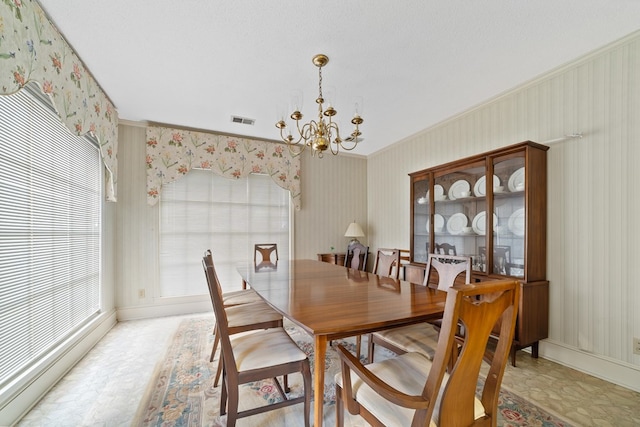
<point x="354" y="230"/>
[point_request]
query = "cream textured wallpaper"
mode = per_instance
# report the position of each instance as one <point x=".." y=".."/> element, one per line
<point x="592" y="207"/>
<point x="334" y="193"/>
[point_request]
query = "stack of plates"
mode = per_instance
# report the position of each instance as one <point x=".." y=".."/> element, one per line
<point x="516" y="180"/>
<point x="438" y="223"/>
<point x="479" y="223"/>
<point x="457" y="222"/>
<point x="438" y="192"/>
<point x="457" y="188"/>
<point x="480" y="188"/>
<point x="517" y="223"/>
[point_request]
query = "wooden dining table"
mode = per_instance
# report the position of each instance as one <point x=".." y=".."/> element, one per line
<point x="331" y="302"/>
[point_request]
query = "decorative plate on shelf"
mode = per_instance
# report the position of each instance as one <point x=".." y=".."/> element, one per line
<point x="456" y="189"/>
<point x="516" y="180"/>
<point x="479" y="223"/>
<point x="516" y="222"/>
<point x="438" y="222"/>
<point x="480" y="188"/>
<point x="457" y="222"/>
<point x="438" y="192"/>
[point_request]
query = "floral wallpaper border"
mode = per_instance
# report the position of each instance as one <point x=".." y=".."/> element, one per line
<point x="32" y="50"/>
<point x="172" y="153"/>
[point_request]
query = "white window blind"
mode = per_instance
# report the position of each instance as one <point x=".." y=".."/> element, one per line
<point x="205" y="211"/>
<point x="50" y="208"/>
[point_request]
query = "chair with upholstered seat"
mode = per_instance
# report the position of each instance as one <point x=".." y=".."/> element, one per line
<point x="244" y="317"/>
<point x="231" y="298"/>
<point x="254" y="356"/>
<point x="411" y="390"/>
<point x="356" y="256"/>
<point x="266" y="251"/>
<point x="446" y="249"/>
<point x="423" y="337"/>
<point x="387" y="263"/>
<point x="405" y="258"/>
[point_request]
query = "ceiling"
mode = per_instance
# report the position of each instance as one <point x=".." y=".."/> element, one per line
<point x="414" y="63"/>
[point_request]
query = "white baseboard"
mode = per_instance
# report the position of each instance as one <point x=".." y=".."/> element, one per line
<point x="613" y="371"/>
<point x="26" y="393"/>
<point x="170" y="308"/>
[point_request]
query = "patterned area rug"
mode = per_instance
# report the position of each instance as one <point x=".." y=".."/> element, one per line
<point x="181" y="392"/>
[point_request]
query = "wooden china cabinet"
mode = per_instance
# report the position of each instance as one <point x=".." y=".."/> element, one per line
<point x="492" y="207"/>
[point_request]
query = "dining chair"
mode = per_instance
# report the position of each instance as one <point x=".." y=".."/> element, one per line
<point x="405" y="258"/>
<point x="356" y="256"/>
<point x="411" y="390"/>
<point x="423" y="337"/>
<point x="254" y="356"/>
<point x="241" y="318"/>
<point x="232" y="298"/>
<point x="387" y="263"/>
<point x="265" y="250"/>
<point x="446" y="249"/>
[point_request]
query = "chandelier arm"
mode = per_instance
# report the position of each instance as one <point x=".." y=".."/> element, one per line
<point x="305" y="130"/>
<point x="289" y="138"/>
<point x="355" y="144"/>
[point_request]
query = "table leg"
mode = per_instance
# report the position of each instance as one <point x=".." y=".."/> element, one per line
<point x="320" y="351"/>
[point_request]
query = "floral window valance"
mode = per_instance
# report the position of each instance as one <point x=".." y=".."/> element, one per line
<point x="172" y="153"/>
<point x="32" y="50"/>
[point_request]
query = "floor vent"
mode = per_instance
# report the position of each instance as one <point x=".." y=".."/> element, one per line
<point x="242" y="120"/>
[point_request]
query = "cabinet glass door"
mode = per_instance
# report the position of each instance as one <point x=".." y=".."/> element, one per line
<point x="461" y="211"/>
<point x="421" y="220"/>
<point x="509" y="216"/>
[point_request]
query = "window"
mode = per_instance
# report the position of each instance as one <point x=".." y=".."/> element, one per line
<point x="205" y="211"/>
<point x="50" y="210"/>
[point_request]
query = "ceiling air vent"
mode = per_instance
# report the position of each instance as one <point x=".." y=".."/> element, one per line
<point x="242" y="120"/>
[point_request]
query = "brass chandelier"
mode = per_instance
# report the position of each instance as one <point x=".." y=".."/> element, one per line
<point x="324" y="133"/>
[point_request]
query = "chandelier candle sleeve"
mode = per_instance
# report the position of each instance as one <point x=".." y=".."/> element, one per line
<point x="324" y="133"/>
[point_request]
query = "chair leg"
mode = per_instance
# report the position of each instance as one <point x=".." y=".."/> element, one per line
<point x="306" y="380"/>
<point x="218" y="372"/>
<point x="216" y="340"/>
<point x="286" y="384"/>
<point x="279" y="388"/>
<point x="223" y="397"/>
<point x="371" y="349"/>
<point x="358" y="346"/>
<point x="232" y="412"/>
<point x="339" y="407"/>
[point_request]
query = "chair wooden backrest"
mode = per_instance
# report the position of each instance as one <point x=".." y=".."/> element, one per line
<point x="480" y="307"/>
<point x="265" y="250"/>
<point x="387" y="263"/>
<point x="448" y="268"/>
<point x="449" y="398"/>
<point x="446" y="249"/>
<point x="207" y="261"/>
<point x="356" y="256"/>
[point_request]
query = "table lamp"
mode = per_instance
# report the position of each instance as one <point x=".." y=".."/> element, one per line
<point x="354" y="231"/>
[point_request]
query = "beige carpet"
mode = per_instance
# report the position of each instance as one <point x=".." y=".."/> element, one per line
<point x="181" y="393"/>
